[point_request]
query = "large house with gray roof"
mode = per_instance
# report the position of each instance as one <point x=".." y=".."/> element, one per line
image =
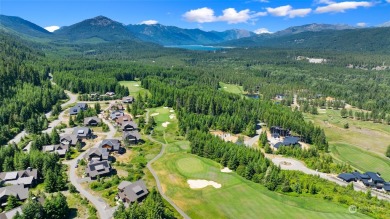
<point x="92" y="121"/>
<point x="97" y="154"/>
<point x="97" y="168"/>
<point x="131" y="192"/>
<point x="26" y="178"/>
<point x="111" y="145"/>
<point x="131" y="136"/>
<point x="76" y="109"/>
<point x="82" y="132"/>
<point x="129" y="126"/>
<point x="59" y="149"/>
<point x="128" y="99"/>
<point x="18" y="191"/>
<point x="70" y="140"/>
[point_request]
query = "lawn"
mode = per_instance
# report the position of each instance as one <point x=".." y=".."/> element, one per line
<point x="134" y="87"/>
<point x="362" y="145"/>
<point x="237" y="198"/>
<point x="231" y="88"/>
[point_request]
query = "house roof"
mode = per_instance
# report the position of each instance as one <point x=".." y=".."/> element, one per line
<point x="81" y="131"/>
<point x="133" y="191"/>
<point x="19" y="191"/>
<point x="95" y="168"/>
<point x="91" y="119"/>
<point x="72" y="139"/>
<point x="82" y="105"/>
<point x="100" y="152"/>
<point x="114" y="143"/>
<point x="360" y="176"/>
<point x="347" y="177"/>
<point x="135" y="134"/>
<point x="123" y="184"/>
<point x="55" y="148"/>
<point x="128" y="99"/>
<point x="386" y="187"/>
<point x="115" y="114"/>
<point x="24" y="177"/>
<point x="121" y="119"/>
<point x="375" y="177"/>
<point x="290" y="140"/>
<point x="11" y="175"/>
<point x="11" y="213"/>
<point x="129" y="123"/>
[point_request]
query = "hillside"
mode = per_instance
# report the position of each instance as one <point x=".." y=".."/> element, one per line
<point x="98" y="29"/>
<point x="25" y="28"/>
<point x="170" y="35"/>
<point x="366" y="39"/>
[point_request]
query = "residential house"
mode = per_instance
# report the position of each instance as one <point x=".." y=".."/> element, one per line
<point x="92" y="121"/>
<point x="27" y="177"/>
<point x="281" y="131"/>
<point x="110" y="93"/>
<point x="129" y="126"/>
<point x="97" y="154"/>
<point x="117" y="107"/>
<point x="79" y="107"/>
<point x="128" y="99"/>
<point x="111" y="145"/>
<point x="70" y="140"/>
<point x="122" y="119"/>
<point x="58" y="149"/>
<point x="11" y="213"/>
<point x="98" y="168"/>
<point x="131" y="192"/>
<point x="116" y="114"/>
<point x="131" y="136"/>
<point x="82" y="132"/>
<point x="347" y="177"/>
<point x="287" y="141"/>
<point x="386" y="187"/>
<point x="19" y="191"/>
<point x="376" y="179"/>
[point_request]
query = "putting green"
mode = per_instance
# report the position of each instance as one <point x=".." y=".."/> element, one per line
<point x="190" y="165"/>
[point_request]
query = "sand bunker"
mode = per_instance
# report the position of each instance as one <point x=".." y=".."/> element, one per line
<point x="165" y="124"/>
<point x="165" y="107"/>
<point x="226" y="170"/>
<point x="225" y="87"/>
<point x="171" y="111"/>
<point x="172" y="116"/>
<point x="201" y="183"/>
<point x="154" y="114"/>
<point x="136" y="85"/>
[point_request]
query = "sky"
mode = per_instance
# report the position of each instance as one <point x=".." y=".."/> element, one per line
<point x="254" y="15"/>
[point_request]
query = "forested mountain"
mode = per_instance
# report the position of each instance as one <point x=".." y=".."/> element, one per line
<point x="170" y="35"/>
<point x="365" y="39"/>
<point x="98" y="29"/>
<point x="26" y="92"/>
<point x="26" y="28"/>
<point x="311" y="28"/>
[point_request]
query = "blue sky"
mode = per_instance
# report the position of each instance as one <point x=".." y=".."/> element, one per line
<point x="261" y="15"/>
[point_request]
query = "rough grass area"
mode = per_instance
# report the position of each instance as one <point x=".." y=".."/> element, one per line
<point x="231" y="88"/>
<point x="362" y="145"/>
<point x="134" y="87"/>
<point x="237" y="198"/>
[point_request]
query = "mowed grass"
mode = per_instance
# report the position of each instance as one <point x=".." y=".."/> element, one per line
<point x="231" y="88"/>
<point x="134" y="88"/>
<point x="237" y="198"/>
<point x="362" y="145"/>
<point x="362" y="160"/>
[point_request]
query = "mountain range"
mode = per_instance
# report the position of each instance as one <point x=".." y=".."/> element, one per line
<point x="102" y="29"/>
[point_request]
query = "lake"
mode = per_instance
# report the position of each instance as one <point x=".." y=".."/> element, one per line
<point x="199" y="47"/>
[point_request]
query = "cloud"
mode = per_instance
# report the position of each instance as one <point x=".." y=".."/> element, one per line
<point x="52" y="28"/>
<point x="287" y="10"/>
<point x="229" y="15"/>
<point x="200" y="15"/>
<point x="361" y="24"/>
<point x="342" y="6"/>
<point x="149" y="22"/>
<point x="261" y="31"/>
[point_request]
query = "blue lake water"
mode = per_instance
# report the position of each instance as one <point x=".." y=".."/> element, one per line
<point x="199" y="47"/>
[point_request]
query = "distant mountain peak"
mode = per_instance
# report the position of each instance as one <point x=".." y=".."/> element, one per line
<point x="101" y="21"/>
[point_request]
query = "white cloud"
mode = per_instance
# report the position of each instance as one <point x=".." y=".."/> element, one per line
<point x="287" y="10"/>
<point x="299" y="12"/>
<point x="229" y="15"/>
<point x="261" y="31"/>
<point x="342" y="6"/>
<point x="361" y="24"/>
<point x="388" y="1"/>
<point x="52" y="28"/>
<point x="149" y="22"/>
<point x="327" y="2"/>
<point x="200" y="15"/>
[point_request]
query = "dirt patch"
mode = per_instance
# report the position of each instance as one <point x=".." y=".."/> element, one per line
<point x="201" y="183"/>
<point x="165" y="124"/>
<point x="226" y="170"/>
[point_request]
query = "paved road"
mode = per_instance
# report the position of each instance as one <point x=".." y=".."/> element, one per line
<point x="72" y="99"/>
<point x="104" y="210"/>
<point x="149" y="166"/>
<point x="292" y="164"/>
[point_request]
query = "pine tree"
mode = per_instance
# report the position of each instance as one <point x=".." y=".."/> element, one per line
<point x="12" y="202"/>
<point x="71" y="122"/>
<point x="55" y="137"/>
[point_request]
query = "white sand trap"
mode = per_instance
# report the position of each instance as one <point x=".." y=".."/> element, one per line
<point x="201" y="183"/>
<point x="154" y="114"/>
<point x="172" y="116"/>
<point x="165" y="107"/>
<point x="225" y="87"/>
<point x="165" y="124"/>
<point x="171" y="111"/>
<point x="136" y="85"/>
<point x="226" y="170"/>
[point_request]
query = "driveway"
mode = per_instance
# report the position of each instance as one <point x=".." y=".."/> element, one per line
<point x="293" y="164"/>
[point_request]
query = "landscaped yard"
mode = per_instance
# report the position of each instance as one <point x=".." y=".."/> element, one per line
<point x="362" y="145"/>
<point x="177" y="166"/>
<point x="231" y="88"/>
